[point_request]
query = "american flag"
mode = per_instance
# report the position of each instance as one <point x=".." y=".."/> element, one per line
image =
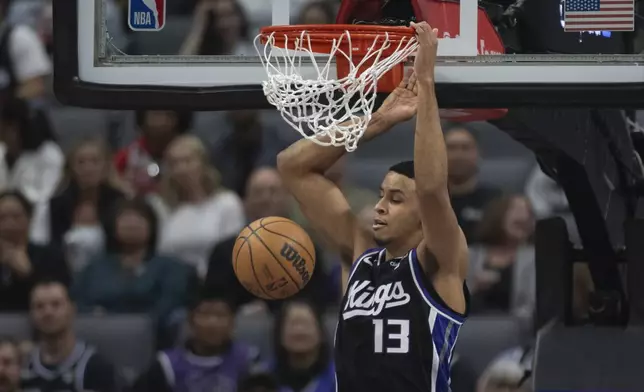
<point x="592" y="15"/>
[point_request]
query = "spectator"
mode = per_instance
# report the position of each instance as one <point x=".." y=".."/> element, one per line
<point x="220" y="27"/>
<point x="265" y="196"/>
<point x="10" y="360"/>
<point x="258" y="382"/>
<point x="317" y="12"/>
<point x="211" y="359"/>
<point x="303" y="356"/>
<point x="22" y="263"/>
<point x="24" y="64"/>
<point x="138" y="163"/>
<point x="30" y="160"/>
<point x="249" y="145"/>
<point x="130" y="277"/>
<point x="502" y="270"/>
<point x="60" y="361"/>
<point x="468" y="196"/>
<point x="201" y="212"/>
<point x="82" y="207"/>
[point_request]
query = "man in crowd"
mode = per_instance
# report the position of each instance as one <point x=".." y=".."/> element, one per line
<point x="60" y="361"/>
<point x="265" y="196"/>
<point x="9" y="366"/>
<point x="467" y="195"/>
<point x="140" y="162"/>
<point x="211" y="360"/>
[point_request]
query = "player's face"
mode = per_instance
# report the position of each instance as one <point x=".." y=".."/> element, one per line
<point x="396" y="214"/>
<point x="462" y="155"/>
<point x="88" y="166"/>
<point x="9" y="368"/>
<point x="212" y="323"/>
<point x="300" y="333"/>
<point x="51" y="309"/>
<point x="518" y="223"/>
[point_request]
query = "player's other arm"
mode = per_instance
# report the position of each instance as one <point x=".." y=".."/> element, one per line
<point x="303" y="166"/>
<point x="442" y="235"/>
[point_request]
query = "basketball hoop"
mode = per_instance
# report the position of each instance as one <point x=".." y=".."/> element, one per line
<point x="332" y="110"/>
<point x="335" y="109"/>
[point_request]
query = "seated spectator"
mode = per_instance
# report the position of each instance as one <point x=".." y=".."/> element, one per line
<point x="131" y="277"/>
<point x="502" y="271"/>
<point x="265" y="196"/>
<point x="60" y="361"/>
<point x="211" y="360"/>
<point x="246" y="144"/>
<point x="25" y="64"/>
<point x="30" y="160"/>
<point x="303" y="356"/>
<point x="10" y="362"/>
<point x="219" y="28"/>
<point x="259" y="382"/>
<point x="139" y="163"/>
<point x="467" y="195"/>
<point x="82" y="207"/>
<point x="23" y="263"/>
<point x="199" y="211"/>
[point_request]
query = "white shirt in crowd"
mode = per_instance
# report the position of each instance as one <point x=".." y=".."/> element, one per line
<point x="28" y="54"/>
<point x="192" y="230"/>
<point x="35" y="173"/>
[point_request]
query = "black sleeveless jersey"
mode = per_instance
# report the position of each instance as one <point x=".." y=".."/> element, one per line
<point x="66" y="377"/>
<point x="394" y="332"/>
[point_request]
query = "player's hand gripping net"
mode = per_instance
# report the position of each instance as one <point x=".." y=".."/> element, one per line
<point x="326" y="110"/>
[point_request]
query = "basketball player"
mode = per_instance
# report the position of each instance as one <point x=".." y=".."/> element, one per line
<point x="406" y="298"/>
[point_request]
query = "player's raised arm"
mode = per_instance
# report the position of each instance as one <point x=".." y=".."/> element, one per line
<point x="303" y="164"/>
<point x="442" y="235"/>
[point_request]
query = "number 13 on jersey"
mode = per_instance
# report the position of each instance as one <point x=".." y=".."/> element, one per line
<point x="391" y="336"/>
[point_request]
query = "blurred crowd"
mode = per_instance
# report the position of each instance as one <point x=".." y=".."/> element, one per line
<point x="137" y="213"/>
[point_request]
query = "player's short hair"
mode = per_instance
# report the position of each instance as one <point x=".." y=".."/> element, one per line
<point x="405" y="168"/>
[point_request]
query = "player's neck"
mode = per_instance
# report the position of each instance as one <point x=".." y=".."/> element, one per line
<point x="395" y="250"/>
<point x="303" y="361"/>
<point x="56" y="349"/>
<point x="463" y="187"/>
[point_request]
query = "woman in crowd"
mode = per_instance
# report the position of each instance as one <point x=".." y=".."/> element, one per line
<point x="23" y="263"/>
<point x="502" y="265"/>
<point x="82" y="207"/>
<point x="131" y="277"/>
<point x="199" y="212"/>
<point x="30" y="160"/>
<point x="303" y="355"/>
<point x="220" y="27"/>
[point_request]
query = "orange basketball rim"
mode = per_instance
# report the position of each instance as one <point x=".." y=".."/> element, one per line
<point x="355" y="42"/>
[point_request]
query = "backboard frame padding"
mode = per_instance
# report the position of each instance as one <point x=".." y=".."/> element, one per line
<point x="71" y="90"/>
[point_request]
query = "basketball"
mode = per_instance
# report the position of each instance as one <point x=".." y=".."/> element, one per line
<point x="273" y="258"/>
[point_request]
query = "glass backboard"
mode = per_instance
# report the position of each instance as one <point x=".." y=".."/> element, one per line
<point x="156" y="53"/>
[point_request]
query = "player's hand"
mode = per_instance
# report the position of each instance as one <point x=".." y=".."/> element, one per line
<point x="402" y="103"/>
<point x="427" y="51"/>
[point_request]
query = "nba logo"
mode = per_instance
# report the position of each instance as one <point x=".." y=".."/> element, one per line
<point x="146" y="15"/>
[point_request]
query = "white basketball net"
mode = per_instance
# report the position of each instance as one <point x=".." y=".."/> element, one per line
<point x="345" y="111"/>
